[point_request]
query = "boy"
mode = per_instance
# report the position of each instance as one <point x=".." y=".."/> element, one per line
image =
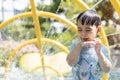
<point x="88" y="57"/>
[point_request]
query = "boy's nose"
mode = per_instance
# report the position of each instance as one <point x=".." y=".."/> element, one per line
<point x="84" y="34"/>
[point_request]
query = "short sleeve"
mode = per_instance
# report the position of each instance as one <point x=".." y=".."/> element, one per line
<point x="72" y="46"/>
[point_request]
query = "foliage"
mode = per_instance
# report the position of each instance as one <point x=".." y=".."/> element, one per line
<point x="18" y="32"/>
<point x="109" y="30"/>
<point x="7" y="47"/>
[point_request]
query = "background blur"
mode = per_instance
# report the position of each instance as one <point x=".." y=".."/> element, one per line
<point x="22" y="30"/>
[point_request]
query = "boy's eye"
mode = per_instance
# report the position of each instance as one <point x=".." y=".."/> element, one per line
<point x="88" y="30"/>
<point x="79" y="29"/>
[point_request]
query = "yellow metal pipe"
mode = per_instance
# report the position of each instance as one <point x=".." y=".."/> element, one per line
<point x="40" y="13"/>
<point x="116" y="5"/>
<point x="19" y="16"/>
<point x="9" y="61"/>
<point x="36" y="23"/>
<point x="38" y="33"/>
<point x="57" y="17"/>
<point x="104" y="39"/>
<point x="68" y="2"/>
<point x="59" y="45"/>
<point x="14" y="52"/>
<point x="51" y="68"/>
<point x="81" y="4"/>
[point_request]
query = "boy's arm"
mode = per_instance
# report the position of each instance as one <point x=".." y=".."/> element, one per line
<point x="73" y="56"/>
<point x="105" y="64"/>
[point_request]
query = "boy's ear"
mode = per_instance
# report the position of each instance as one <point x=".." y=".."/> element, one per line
<point x="99" y="29"/>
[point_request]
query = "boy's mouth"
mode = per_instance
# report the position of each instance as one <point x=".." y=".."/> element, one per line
<point x="86" y="39"/>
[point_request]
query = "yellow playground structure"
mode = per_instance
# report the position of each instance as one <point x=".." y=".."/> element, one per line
<point x="39" y="40"/>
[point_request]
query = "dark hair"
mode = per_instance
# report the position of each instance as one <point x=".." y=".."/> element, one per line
<point x="89" y="17"/>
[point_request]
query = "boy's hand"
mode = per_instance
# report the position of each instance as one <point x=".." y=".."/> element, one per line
<point x="98" y="45"/>
<point x="88" y="44"/>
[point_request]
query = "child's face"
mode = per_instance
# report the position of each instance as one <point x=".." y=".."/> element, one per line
<point x="87" y="32"/>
